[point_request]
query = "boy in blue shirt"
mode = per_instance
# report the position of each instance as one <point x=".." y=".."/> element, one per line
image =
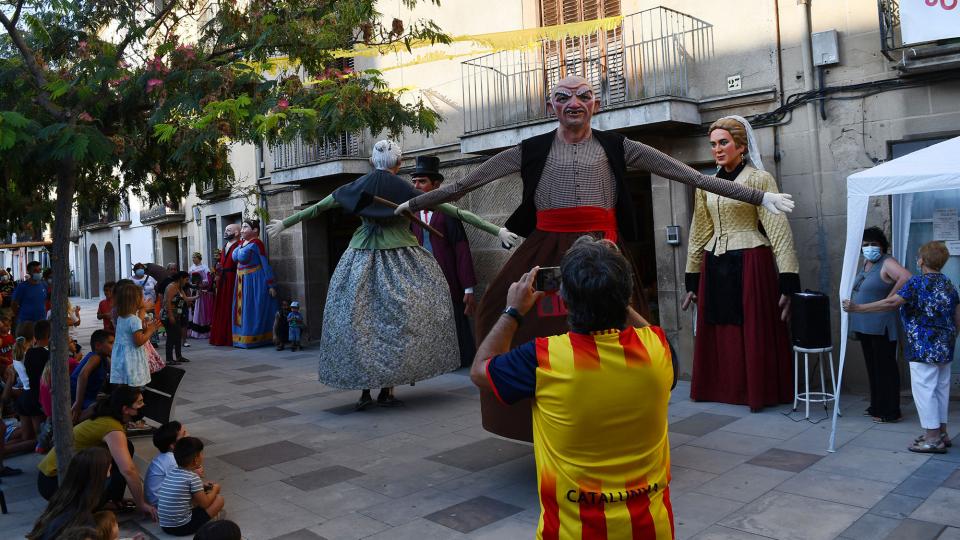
<point x="164" y="438"/>
<point x="295" y="325"/>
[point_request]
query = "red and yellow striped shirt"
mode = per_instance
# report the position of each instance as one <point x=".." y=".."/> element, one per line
<point x="599" y="430"/>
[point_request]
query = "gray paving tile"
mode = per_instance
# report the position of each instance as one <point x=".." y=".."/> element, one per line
<point x="953" y="481"/>
<point x="685" y="479"/>
<point x="348" y="527"/>
<point x="482" y="454"/>
<point x="916" y="486"/>
<point x="744" y="483"/>
<point x="728" y="441"/>
<point x="784" y="515"/>
<point x="704" y="508"/>
<point x="258" y="368"/>
<point x="473" y="514"/>
<point x="704" y="459"/>
<point x="469" y="390"/>
<point x="950" y="533"/>
<point x="937" y="471"/>
<point x="302" y="534"/>
<point x="896" y="506"/>
<point x="940" y="507"/>
<point x="262" y="393"/>
<point x="700" y="424"/>
<point x="717" y="532"/>
<point x="911" y="529"/>
<point x="266" y="455"/>
<point x="873" y="463"/>
<point x="257" y="379"/>
<point x="182" y="401"/>
<point x="324" y="477"/>
<point x="870" y="527"/>
<point x="837" y="487"/>
<point x="258" y="416"/>
<point x="347" y="408"/>
<point x="785" y="460"/>
<point x="213" y="410"/>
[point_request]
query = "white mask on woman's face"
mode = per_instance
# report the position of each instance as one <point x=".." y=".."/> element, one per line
<point x="871" y="253"/>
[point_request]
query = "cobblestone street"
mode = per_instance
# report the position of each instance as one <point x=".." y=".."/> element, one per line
<point x="296" y="462"/>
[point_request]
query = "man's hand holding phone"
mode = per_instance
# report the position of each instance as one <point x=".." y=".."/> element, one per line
<point x="522" y="295"/>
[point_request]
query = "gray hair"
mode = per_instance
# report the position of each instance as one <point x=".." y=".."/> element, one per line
<point x="596" y="284"/>
<point x="386" y="154"/>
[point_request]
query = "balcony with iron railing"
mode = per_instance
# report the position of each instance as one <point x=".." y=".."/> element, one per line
<point x="211" y="190"/>
<point x="330" y="157"/>
<point x="936" y="55"/>
<point x="644" y="62"/>
<point x="168" y="212"/>
<point x="115" y="213"/>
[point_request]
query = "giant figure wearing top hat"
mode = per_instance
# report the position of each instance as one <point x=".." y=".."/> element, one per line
<point x="452" y="252"/>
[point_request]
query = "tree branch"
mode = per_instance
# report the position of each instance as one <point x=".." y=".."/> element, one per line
<point x="145" y="28"/>
<point x="30" y="60"/>
<point x="16" y="13"/>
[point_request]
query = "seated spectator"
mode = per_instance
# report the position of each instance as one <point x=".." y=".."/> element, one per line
<point x="164" y="438"/>
<point x="79" y="533"/>
<point x="222" y="529"/>
<point x="185" y="502"/>
<point x="81" y="493"/>
<point x="5" y="470"/>
<point x="35" y="359"/>
<point x="600" y="395"/>
<point x="105" y="430"/>
<point x="15" y="377"/>
<point x="88" y="378"/>
<point x="107" y="526"/>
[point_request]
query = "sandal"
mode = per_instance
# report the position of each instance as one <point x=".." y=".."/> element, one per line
<point x="943" y="438"/>
<point x="925" y="447"/>
<point x="881" y="420"/>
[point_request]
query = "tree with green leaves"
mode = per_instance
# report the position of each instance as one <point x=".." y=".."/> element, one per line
<point x="146" y="96"/>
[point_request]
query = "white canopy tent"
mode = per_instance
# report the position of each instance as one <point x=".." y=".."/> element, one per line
<point x="934" y="168"/>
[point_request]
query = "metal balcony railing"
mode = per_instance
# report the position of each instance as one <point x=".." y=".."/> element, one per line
<point x="298" y="153"/>
<point x="166" y="212"/>
<point x="648" y="56"/>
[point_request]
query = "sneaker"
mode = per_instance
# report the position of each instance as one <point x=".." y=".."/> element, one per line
<point x="186" y="344"/>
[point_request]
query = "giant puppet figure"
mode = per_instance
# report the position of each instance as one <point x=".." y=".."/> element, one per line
<point x="254" y="301"/>
<point x="573" y="183"/>
<point x="221" y="329"/>
<point x="388" y="318"/>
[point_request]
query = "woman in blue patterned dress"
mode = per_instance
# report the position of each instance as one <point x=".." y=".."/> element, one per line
<point x="254" y="302"/>
<point x="930" y="311"/>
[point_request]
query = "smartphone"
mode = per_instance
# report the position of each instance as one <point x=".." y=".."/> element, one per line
<point x="149" y="316"/>
<point x="548" y="278"/>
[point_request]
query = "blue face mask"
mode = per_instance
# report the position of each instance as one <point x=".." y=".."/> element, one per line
<point x="139" y="272"/>
<point x="871" y="253"/>
<point x="36" y="277"/>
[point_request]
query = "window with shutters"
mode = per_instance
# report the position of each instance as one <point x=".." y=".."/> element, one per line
<point x="597" y="57"/>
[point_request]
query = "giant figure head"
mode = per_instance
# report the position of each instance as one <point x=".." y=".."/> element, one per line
<point x="574" y="102"/>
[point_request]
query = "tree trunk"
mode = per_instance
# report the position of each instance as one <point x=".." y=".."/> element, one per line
<point x="59" y="349"/>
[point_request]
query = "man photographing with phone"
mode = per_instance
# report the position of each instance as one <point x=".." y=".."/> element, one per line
<point x="600" y="395"/>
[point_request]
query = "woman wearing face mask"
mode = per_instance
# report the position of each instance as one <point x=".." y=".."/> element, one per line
<point x="881" y="277"/>
<point x="145" y="282"/>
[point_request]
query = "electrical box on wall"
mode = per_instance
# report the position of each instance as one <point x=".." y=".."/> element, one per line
<point x="826" y="48"/>
<point x="673" y="235"/>
<point x="734" y="83"/>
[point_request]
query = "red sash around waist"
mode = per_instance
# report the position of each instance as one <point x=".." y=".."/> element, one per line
<point x="579" y="219"/>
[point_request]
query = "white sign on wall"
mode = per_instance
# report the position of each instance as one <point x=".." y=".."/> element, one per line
<point x="929" y="20"/>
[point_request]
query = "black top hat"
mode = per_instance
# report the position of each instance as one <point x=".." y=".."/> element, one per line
<point x="428" y="166"/>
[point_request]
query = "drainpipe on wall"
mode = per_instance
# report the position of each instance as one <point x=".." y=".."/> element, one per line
<point x="262" y="203"/>
<point x="813" y="139"/>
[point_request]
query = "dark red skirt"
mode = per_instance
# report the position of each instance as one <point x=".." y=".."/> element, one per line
<point x="748" y="364"/>
<point x="541" y="248"/>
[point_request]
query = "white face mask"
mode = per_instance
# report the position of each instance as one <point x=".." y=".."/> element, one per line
<point x="871" y="253"/>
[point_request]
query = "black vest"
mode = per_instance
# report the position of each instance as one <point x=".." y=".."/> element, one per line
<point x="534" y="152"/>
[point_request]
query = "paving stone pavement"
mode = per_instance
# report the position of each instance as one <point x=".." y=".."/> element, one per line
<point x="296" y="462"/>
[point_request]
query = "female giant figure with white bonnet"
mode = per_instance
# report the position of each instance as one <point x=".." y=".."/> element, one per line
<point x="742" y="348"/>
<point x="388" y="318"/>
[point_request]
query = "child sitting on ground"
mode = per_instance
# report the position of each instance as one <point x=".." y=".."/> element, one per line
<point x="295" y="324"/>
<point x="88" y="378"/>
<point x="185" y="503"/>
<point x="109" y="529"/>
<point x="164" y="438"/>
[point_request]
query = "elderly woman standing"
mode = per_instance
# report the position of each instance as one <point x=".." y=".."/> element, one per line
<point x="881" y="277"/>
<point x="930" y="311"/>
<point x="741" y="276"/>
<point x="388" y="319"/>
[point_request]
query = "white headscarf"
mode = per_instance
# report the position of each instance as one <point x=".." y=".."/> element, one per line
<point x="754" y="151"/>
<point x="386" y="154"/>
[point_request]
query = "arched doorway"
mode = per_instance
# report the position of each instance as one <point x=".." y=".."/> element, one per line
<point x="109" y="263"/>
<point x="94" y="271"/>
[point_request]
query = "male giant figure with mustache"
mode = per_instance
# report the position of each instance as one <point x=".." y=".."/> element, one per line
<point x="573" y="184"/>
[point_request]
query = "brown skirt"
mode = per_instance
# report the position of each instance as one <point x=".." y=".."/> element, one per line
<point x="541" y="248"/>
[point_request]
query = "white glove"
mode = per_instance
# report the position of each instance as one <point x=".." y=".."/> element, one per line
<point x="778" y="203"/>
<point x="402" y="209"/>
<point x="507" y="238"/>
<point x="275" y="228"/>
